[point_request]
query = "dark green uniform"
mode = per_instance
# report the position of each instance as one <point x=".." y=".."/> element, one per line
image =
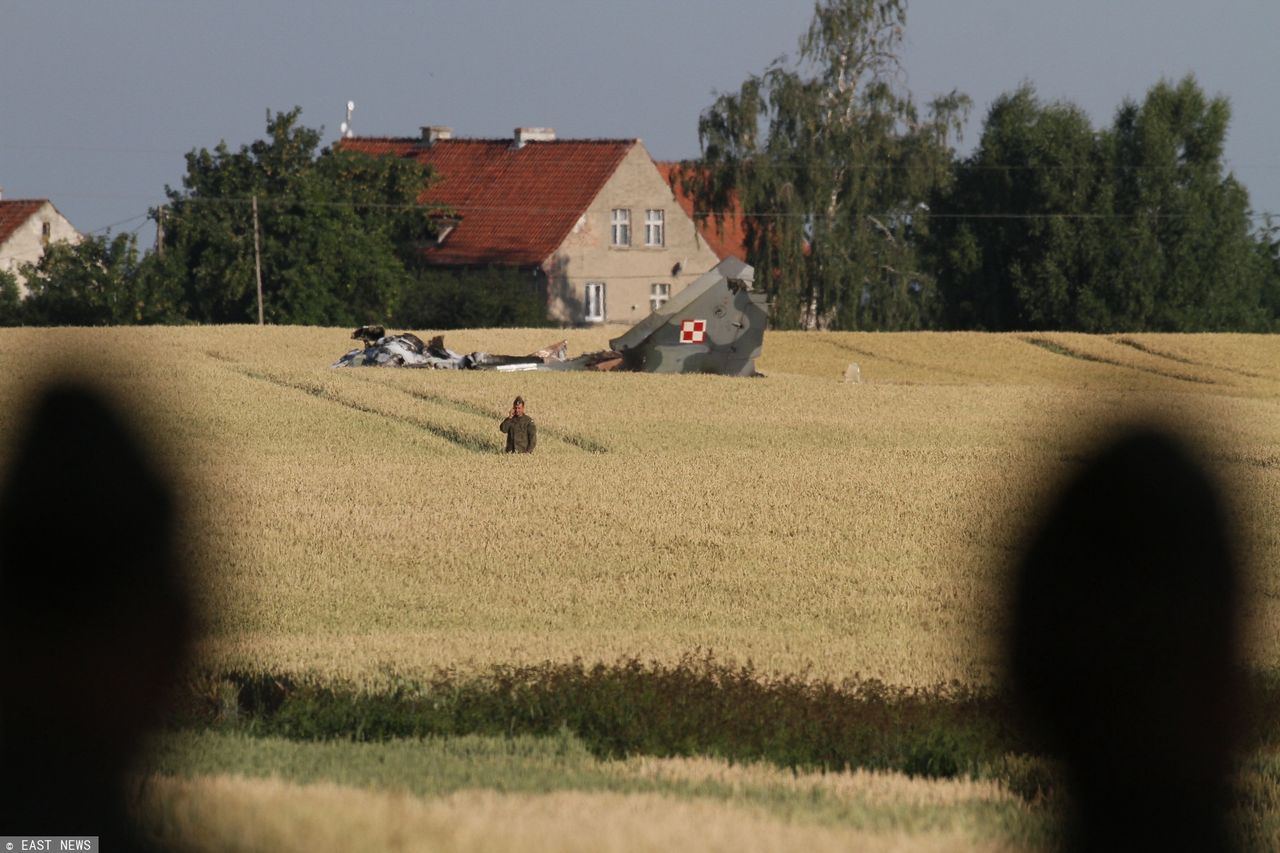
<point x="522" y="435"/>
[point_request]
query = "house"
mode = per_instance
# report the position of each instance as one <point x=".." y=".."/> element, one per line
<point x="26" y="227"/>
<point x="593" y="220"/>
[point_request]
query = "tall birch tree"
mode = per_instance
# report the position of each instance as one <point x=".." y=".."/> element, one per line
<point x="831" y="164"/>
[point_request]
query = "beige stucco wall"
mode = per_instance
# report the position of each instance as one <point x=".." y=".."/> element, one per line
<point x="26" y="244"/>
<point x="627" y="272"/>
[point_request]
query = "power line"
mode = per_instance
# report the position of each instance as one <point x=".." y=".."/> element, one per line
<point x="105" y="228"/>
<point x="709" y="214"/>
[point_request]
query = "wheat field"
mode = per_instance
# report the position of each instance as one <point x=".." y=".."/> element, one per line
<point x="362" y="527"/>
<point x="354" y="524"/>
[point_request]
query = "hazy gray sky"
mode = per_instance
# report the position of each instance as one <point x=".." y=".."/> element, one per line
<point x="100" y="100"/>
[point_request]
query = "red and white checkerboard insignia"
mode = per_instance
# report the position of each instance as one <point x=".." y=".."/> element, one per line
<point x="693" y="331"/>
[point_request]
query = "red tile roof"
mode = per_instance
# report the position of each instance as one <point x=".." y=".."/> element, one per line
<point x="14" y="213"/>
<point x="726" y="238"/>
<point x="516" y="205"/>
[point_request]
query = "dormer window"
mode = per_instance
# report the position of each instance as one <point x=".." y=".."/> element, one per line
<point x="444" y="227"/>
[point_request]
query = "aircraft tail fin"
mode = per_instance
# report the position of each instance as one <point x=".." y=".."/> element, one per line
<point x="715" y="325"/>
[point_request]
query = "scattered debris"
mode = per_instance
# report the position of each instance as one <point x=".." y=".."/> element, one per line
<point x="408" y="350"/>
<point x="715" y="325"/>
<point x="369" y="334"/>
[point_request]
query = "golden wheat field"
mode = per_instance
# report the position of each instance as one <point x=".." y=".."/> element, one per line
<point x="361" y="523"/>
<point x="361" y="526"/>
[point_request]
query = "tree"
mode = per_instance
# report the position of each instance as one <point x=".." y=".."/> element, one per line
<point x="1268" y="245"/>
<point x="1051" y="224"/>
<point x="99" y="281"/>
<point x="832" y="163"/>
<point x="10" y="300"/>
<point x="1019" y="232"/>
<point x="336" y="229"/>
<point x="1183" y="229"/>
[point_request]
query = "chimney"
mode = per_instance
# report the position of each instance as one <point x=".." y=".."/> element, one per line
<point x="534" y="134"/>
<point x="432" y="134"/>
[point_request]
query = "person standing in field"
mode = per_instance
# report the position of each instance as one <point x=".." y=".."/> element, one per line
<point x="522" y="434"/>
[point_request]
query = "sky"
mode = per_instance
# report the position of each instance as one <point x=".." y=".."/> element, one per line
<point x="99" y="101"/>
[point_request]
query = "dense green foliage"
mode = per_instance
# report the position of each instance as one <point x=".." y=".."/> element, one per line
<point x="479" y="298"/>
<point x="1054" y="225"/>
<point x="1269" y="255"/>
<point x="696" y="707"/>
<point x="1035" y="171"/>
<point x="336" y="229"/>
<point x="699" y="706"/>
<point x="99" y="281"/>
<point x="10" y="300"/>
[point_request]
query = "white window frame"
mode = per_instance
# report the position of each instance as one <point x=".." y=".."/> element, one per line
<point x="594" y="313"/>
<point x="655" y="227"/>
<point x="620" y="232"/>
<point x="659" y="293"/>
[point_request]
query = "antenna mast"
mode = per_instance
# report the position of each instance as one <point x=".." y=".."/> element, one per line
<point x="345" y="127"/>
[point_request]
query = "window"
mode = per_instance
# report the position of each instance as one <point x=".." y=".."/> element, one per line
<point x="621" y="227"/>
<point x="595" y="302"/>
<point x="46" y="231"/>
<point x="659" y="293"/>
<point x="653" y="228"/>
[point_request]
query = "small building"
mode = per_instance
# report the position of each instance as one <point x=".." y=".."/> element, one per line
<point x="593" y="220"/>
<point x="27" y="226"/>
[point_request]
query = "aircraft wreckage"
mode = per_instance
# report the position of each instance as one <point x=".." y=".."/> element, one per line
<point x="715" y="325"/>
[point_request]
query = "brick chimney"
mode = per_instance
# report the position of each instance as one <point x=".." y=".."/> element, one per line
<point x="534" y="134"/>
<point x="434" y="133"/>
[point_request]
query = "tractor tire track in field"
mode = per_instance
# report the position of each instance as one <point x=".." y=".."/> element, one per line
<point x="459" y="438"/>
<point x="1058" y="349"/>
<point x="840" y="345"/>
<point x="582" y="442"/>
<point x="1141" y="347"/>
<point x="1266" y="463"/>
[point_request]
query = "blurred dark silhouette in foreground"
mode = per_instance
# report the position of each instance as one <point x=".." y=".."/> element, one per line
<point x="95" y="619"/>
<point x="1125" y="648"/>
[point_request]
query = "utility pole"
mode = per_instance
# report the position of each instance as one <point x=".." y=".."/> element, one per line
<point x="257" y="256"/>
<point x="160" y="231"/>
